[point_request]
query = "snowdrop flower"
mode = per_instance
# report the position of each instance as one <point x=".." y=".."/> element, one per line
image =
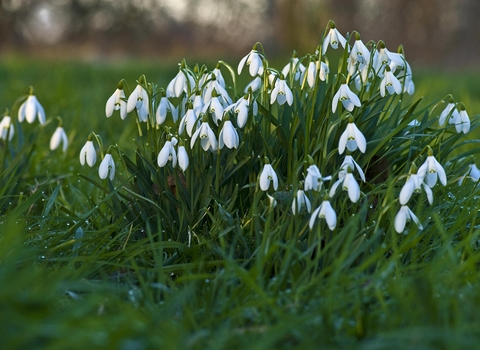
<point x="139" y="99"/>
<point x="384" y="57"/>
<point x="348" y="184"/>
<point x="390" y="83"/>
<point x="207" y="136"/>
<point x="313" y="69"/>
<point x="414" y="184"/>
<point x="299" y="201"/>
<point x="281" y="92"/>
<point x="352" y="138"/>
<point x="6" y="128"/>
<point x="254" y="85"/>
<point x="168" y="153"/>
<point x="449" y="110"/>
<point x="414" y="123"/>
<point x="31" y="109"/>
<point x="117" y="102"/>
<point x="472" y="173"/>
<point x="268" y="176"/>
<point x="294" y="67"/>
<point x="165" y="106"/>
<point x="214" y="107"/>
<point x="254" y="60"/>
<point x="241" y="108"/>
<point x="347" y="97"/>
<point x="272" y="202"/>
<point x="182" y="156"/>
<point x="228" y="136"/>
<point x="409" y="86"/>
<point x="333" y="38"/>
<point x="182" y="82"/>
<point x="349" y="162"/>
<point x="218" y="75"/>
<point x="198" y="104"/>
<point x="213" y="87"/>
<point x="432" y="170"/>
<point x="462" y="122"/>
<point x="404" y="215"/>
<point x="188" y="121"/>
<point x="59" y="136"/>
<point x="88" y="153"/>
<point x="324" y="211"/>
<point x="314" y="179"/>
<point x="359" y="56"/>
<point x="107" y="167"/>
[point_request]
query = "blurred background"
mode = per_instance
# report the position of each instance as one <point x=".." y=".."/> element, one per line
<point x="441" y="33"/>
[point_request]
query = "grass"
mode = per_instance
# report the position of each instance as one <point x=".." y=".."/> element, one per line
<point x="77" y="269"/>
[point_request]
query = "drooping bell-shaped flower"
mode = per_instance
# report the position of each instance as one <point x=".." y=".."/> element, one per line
<point x="215" y="107"/>
<point x="228" y="136"/>
<point x="167" y="153"/>
<point x="349" y="162"/>
<point x="59" y="136"/>
<point x="450" y="112"/>
<point x="212" y="86"/>
<point x="268" y="176"/>
<point x="359" y="56"/>
<point x="6" y="128"/>
<point x="88" y="153"/>
<point x="349" y="184"/>
<point x="404" y="215"/>
<point x="473" y="173"/>
<point x="324" y="211"/>
<point x="347" y="97"/>
<point x="415" y="184"/>
<point x="352" y="138"/>
<point x="117" y="102"/>
<point x="165" y="106"/>
<point x="333" y="38"/>
<point x="294" y="67"/>
<point x="390" y="83"/>
<point x="281" y="92"/>
<point x="432" y="170"/>
<point x="107" y="167"/>
<point x="182" y="156"/>
<point x="462" y="122"/>
<point x="183" y="82"/>
<point x="207" y="136"/>
<point x="139" y="100"/>
<point x="254" y="60"/>
<point x="314" y="179"/>
<point x="254" y="85"/>
<point x="31" y="109"/>
<point x="299" y="201"/>
<point x="188" y="121"/>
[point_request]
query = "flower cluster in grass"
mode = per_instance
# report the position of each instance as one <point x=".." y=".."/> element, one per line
<point x="351" y="121"/>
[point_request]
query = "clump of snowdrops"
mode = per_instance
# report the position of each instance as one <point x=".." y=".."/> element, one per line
<point x="303" y="151"/>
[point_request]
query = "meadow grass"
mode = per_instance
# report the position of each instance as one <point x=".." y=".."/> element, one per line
<point x="77" y="269"/>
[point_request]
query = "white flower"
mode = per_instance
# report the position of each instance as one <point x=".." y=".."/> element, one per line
<point x="268" y="175"/>
<point x="214" y="85"/>
<point x="117" y="102"/>
<point x="88" y="154"/>
<point x="182" y="82"/>
<point x="139" y="99"/>
<point x="390" y="83"/>
<point x="218" y="75"/>
<point x="313" y="69"/>
<point x="281" y="93"/>
<point x="324" y="211"/>
<point x="254" y="60"/>
<point x="59" y="136"/>
<point x="188" y="120"/>
<point x="215" y="108"/>
<point x="167" y="153"/>
<point x="348" y="184"/>
<point x="198" y="104"/>
<point x="299" y="201"/>
<point x="404" y="215"/>
<point x="333" y="38"/>
<point x="6" y="128"/>
<point x="207" y="137"/>
<point x="349" y="162"/>
<point x="272" y="202"/>
<point x="352" y="138"/>
<point x="255" y="84"/>
<point x="472" y="173"/>
<point x="449" y="110"/>
<point x="462" y="122"/>
<point x="414" y="184"/>
<point x="431" y="170"/>
<point x="347" y="97"/>
<point x="30" y="109"/>
<point x="295" y="67"/>
<point x="228" y="136"/>
<point x="163" y="107"/>
<point x="359" y="56"/>
<point x="182" y="158"/>
<point x="384" y="57"/>
<point x="107" y="167"/>
<point x="414" y="123"/>
<point x="314" y="179"/>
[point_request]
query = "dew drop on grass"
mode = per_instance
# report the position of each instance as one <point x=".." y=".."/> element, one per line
<point x="207" y="281"/>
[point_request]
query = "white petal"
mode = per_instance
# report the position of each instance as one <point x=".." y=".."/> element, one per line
<point x="264" y="179"/>
<point x="91" y="154"/>
<point x="429" y="193"/>
<point x="164" y="154"/>
<point x="406" y="191"/>
<point x="182" y="158"/>
<point x="330" y="215"/>
<point x="132" y="101"/>
<point x="314" y="216"/>
<point x="342" y="143"/>
<point x="359" y="138"/>
<point x="110" y="106"/>
<point x="242" y="63"/>
<point x="401" y="219"/>
<point x="353" y="187"/>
